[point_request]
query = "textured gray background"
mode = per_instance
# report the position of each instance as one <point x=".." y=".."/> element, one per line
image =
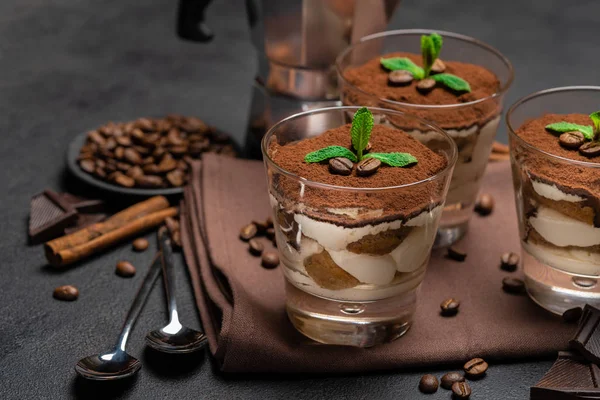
<point x="66" y="66"/>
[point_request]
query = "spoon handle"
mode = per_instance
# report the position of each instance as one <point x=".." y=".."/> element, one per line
<point x="139" y="301"/>
<point x="164" y="241"/>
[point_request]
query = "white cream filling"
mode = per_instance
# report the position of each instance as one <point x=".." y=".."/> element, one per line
<point x="576" y="261"/>
<point x="562" y="231"/>
<point x="554" y="193"/>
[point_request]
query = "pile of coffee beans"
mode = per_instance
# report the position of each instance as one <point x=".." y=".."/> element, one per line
<point x="455" y="381"/>
<point x="150" y="153"/>
<point x="250" y="233"/>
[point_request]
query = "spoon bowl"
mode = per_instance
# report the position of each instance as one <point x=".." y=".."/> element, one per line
<point x="184" y="340"/>
<point x="109" y="366"/>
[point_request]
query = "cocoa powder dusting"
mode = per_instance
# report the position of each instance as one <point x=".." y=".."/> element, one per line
<point x="372" y="78"/>
<point x="396" y="203"/>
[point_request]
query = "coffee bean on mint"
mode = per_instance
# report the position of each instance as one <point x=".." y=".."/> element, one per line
<point x="140" y="244"/>
<point x="426" y="85"/>
<point x="461" y="390"/>
<point x="368" y="166"/>
<point x="125" y="269"/>
<point x="572" y="315"/>
<point x="400" y="78"/>
<point x="457" y="254"/>
<point x="66" y="293"/>
<point x="450" y="307"/>
<point x="485" y="204"/>
<point x="438" y="67"/>
<point x="448" y="379"/>
<point x="590" y="149"/>
<point x="475" y="368"/>
<point x="509" y="261"/>
<point x="270" y="259"/>
<point x="255" y="247"/>
<point x="248" y="232"/>
<point x="513" y="285"/>
<point x="340" y="166"/>
<point x="428" y="384"/>
<point x="571" y="140"/>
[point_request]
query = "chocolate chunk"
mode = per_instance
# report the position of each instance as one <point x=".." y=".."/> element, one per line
<point x="270" y="259"/>
<point x="587" y="337"/>
<point x="590" y="149"/>
<point x="571" y="140"/>
<point x="368" y="166"/>
<point x="438" y="67"/>
<point x="513" y="285"/>
<point x="572" y="315"/>
<point x="428" y="384"/>
<point x="399" y="78"/>
<point x="450" y="307"/>
<point x="475" y="368"/>
<point x="83" y="204"/>
<point x="509" y="261"/>
<point x="125" y="269"/>
<point x="456" y="254"/>
<point x="66" y="293"/>
<point x="49" y="216"/>
<point x="485" y="204"/>
<point x="340" y="166"/>
<point x="248" y="232"/>
<point x="448" y="379"/>
<point x="426" y="85"/>
<point x="140" y="244"/>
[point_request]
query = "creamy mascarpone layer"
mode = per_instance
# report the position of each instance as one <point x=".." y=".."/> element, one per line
<point x="554" y="193"/>
<point x="562" y="231"/>
<point x="576" y="261"/>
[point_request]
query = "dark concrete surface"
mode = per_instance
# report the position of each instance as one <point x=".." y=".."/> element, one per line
<point x="66" y="66"/>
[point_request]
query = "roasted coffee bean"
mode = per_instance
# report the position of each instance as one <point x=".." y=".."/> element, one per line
<point x="340" y="166"/>
<point x="426" y="85"/>
<point x="151" y="169"/>
<point x="88" y="166"/>
<point x="100" y="173"/>
<point x="125" y="269"/>
<point x="400" y="78"/>
<point x="571" y="140"/>
<point x="509" y="261"/>
<point x="255" y="246"/>
<point x="269" y="222"/>
<point x="100" y="163"/>
<point x="149" y="181"/>
<point x="590" y="149"/>
<point x="176" y="178"/>
<point x="450" y="307"/>
<point x="461" y="390"/>
<point x="261" y="227"/>
<point x="135" y="172"/>
<point x="140" y="244"/>
<point x="123" y="180"/>
<point x="438" y="67"/>
<point x="144" y="151"/>
<point x="96" y="137"/>
<point x="120" y="153"/>
<point x="513" y="285"/>
<point x="456" y="254"/>
<point x="178" y="150"/>
<point x="144" y="124"/>
<point x="270" y="259"/>
<point x="485" y="204"/>
<point x="572" y="315"/>
<point x="448" y="379"/>
<point x="248" y="232"/>
<point x="132" y="156"/>
<point x="368" y="166"/>
<point x="475" y="368"/>
<point x="110" y="144"/>
<point x="124" y="141"/>
<point x="123" y="166"/>
<point x="66" y="293"/>
<point x="428" y="384"/>
<point x="270" y="233"/>
<point x="167" y="164"/>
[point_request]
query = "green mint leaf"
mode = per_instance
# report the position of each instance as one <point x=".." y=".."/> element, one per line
<point x="437" y="44"/>
<point x="404" y="64"/>
<point x="428" y="53"/>
<point x="562" y="127"/>
<point x="394" y="159"/>
<point x="452" y="82"/>
<point x="362" y="125"/>
<point x="329" y="152"/>
<point x="595" y="117"/>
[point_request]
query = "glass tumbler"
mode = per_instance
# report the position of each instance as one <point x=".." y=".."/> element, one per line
<point x="336" y="294"/>
<point x="558" y="208"/>
<point x="472" y="124"/>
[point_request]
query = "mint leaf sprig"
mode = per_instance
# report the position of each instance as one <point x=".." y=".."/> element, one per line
<point x="431" y="46"/>
<point x="360" y="132"/>
<point x="590" y="132"/>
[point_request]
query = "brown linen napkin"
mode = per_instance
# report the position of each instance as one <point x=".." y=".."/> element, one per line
<point x="242" y="304"/>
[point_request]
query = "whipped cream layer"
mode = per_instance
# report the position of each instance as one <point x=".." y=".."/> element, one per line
<point x="563" y="231"/>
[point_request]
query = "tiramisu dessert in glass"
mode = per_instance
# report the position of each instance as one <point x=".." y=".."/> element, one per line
<point x="356" y="204"/>
<point x="462" y="92"/>
<point x="555" y="153"/>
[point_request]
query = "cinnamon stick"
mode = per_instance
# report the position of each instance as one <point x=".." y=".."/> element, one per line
<point x="65" y="256"/>
<point x="500" y="148"/>
<point x="91" y="232"/>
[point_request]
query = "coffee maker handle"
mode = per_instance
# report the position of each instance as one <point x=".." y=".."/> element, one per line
<point x="190" y="21"/>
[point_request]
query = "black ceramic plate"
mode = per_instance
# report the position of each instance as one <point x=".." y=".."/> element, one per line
<point x="73" y="153"/>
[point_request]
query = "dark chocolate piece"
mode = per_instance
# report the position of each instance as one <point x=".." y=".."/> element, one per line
<point x="587" y="337"/>
<point x="82" y="204"/>
<point x="570" y="377"/>
<point x="48" y="217"/>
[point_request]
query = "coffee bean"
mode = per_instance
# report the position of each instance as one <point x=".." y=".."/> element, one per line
<point x="571" y="140"/>
<point x="248" y="232"/>
<point x="428" y="384"/>
<point x="448" y="379"/>
<point x="590" y="149"/>
<point x="96" y="137"/>
<point x="340" y="166"/>
<point x="135" y="172"/>
<point x="269" y="222"/>
<point x="256" y="248"/>
<point x="176" y="178"/>
<point x="572" y="315"/>
<point x="125" y="269"/>
<point x="475" y="368"/>
<point x="270" y="233"/>
<point x="400" y="78"/>
<point x="261" y="227"/>
<point x="140" y="244"/>
<point x="368" y="166"/>
<point x="509" y="261"/>
<point x="270" y="259"/>
<point x="66" y="293"/>
<point x="456" y="254"/>
<point x="149" y="181"/>
<point x="461" y="390"/>
<point x="124" y="180"/>
<point x="426" y="85"/>
<point x="438" y="67"/>
<point x="513" y="285"/>
<point x="124" y="141"/>
<point x="88" y="166"/>
<point x="485" y="204"/>
<point x="144" y="124"/>
<point x="449" y="306"/>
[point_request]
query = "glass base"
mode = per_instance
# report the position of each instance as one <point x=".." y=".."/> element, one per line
<point x="448" y="235"/>
<point x="359" y="324"/>
<point x="556" y="290"/>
